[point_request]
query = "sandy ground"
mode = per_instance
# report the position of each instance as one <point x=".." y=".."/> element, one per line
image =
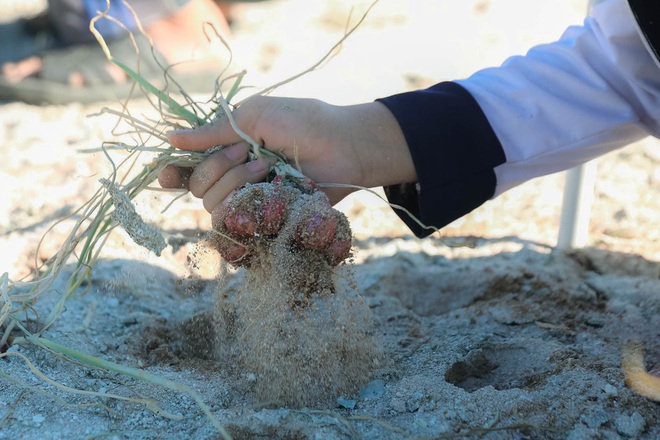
<point x="509" y="339"/>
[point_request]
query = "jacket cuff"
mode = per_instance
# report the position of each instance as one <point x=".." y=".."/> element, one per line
<point x="454" y="150"/>
<point x="647" y="14"/>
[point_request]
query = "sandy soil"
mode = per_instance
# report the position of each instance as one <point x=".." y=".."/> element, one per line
<point x="508" y="339"/>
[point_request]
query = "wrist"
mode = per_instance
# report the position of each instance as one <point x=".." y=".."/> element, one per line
<point x="380" y="146"/>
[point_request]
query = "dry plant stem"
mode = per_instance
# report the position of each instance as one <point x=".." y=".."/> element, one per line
<point x="163" y="98"/>
<point x="96" y="233"/>
<point x="400" y="208"/>
<point x="637" y="378"/>
<point x="281" y="166"/>
<point x="6" y="301"/>
<point x="223" y="41"/>
<point x="132" y="372"/>
<point x="315" y="66"/>
<point x="12" y="407"/>
<point x="92" y="236"/>
<point x="5" y="311"/>
<point x="94" y="221"/>
<point x="37" y="390"/>
<point x="256" y="148"/>
<point x="44" y="281"/>
<point x="392" y="205"/>
<point x="141" y="127"/>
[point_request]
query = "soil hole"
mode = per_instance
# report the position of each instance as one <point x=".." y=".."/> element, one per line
<point x="502" y="368"/>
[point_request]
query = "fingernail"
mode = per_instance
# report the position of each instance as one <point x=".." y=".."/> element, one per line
<point x="227" y="199"/>
<point x="235" y="152"/>
<point x="257" y="166"/>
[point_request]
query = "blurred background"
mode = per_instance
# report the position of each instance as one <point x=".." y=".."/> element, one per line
<point x="401" y="45"/>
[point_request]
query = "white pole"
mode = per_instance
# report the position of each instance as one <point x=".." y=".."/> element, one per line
<point x="576" y="207"/>
<point x="578" y="197"/>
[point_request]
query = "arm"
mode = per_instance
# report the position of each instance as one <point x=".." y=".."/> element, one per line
<point x="594" y="90"/>
<point x="444" y="151"/>
<point x="356" y="145"/>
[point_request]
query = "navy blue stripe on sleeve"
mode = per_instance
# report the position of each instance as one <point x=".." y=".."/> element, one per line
<point x="647" y="14"/>
<point x="455" y="151"/>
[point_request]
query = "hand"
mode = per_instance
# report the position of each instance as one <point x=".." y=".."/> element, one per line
<point x="358" y="145"/>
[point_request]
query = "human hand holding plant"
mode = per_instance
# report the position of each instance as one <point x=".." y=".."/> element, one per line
<point x="339" y="148"/>
<point x="292" y="313"/>
<point x="359" y="145"/>
<point x="285" y="230"/>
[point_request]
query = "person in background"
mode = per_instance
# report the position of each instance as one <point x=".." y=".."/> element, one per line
<point x="54" y="58"/>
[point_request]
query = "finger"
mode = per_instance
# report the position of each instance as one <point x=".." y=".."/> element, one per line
<point x="174" y="177"/>
<point x="220" y="211"/>
<point x="251" y="172"/>
<point x="215" y="166"/>
<point x="218" y="132"/>
<point x="199" y="139"/>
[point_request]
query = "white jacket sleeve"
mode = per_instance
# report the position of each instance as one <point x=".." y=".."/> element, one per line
<point x="594" y="90"/>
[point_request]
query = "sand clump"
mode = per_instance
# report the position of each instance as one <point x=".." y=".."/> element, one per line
<point x="299" y="356"/>
<point x="142" y="233"/>
<point x="296" y="324"/>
